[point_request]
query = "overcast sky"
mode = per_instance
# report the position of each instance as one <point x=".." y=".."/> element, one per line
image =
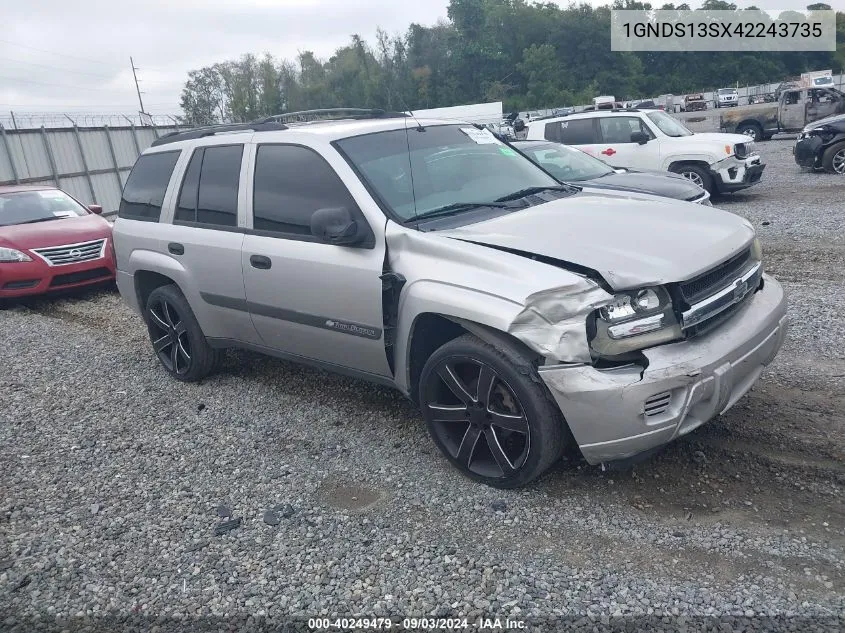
<point x="61" y="56"/>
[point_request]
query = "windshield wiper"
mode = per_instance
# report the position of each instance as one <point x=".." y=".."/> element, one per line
<point x="516" y="195"/>
<point x="458" y="207"/>
<point x="36" y="220"/>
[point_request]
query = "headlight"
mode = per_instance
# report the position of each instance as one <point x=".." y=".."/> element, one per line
<point x="744" y="150"/>
<point x="8" y="255"/>
<point x="634" y="320"/>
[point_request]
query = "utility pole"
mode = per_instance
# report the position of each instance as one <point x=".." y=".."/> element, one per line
<point x="137" y="89"/>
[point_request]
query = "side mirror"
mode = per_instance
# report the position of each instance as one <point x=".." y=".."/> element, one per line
<point x="335" y="226"/>
<point x="95" y="208"/>
<point x="641" y="138"/>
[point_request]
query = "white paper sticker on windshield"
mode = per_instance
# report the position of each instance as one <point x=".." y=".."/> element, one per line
<point x="482" y="137"/>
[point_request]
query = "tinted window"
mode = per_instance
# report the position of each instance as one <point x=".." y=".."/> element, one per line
<point x="576" y="132"/>
<point x="186" y="208"/>
<point x="291" y="183"/>
<point x="619" y="129"/>
<point x="217" y="202"/>
<point x="146" y="186"/>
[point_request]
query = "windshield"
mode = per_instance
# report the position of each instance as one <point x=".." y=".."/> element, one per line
<point x="727" y="91"/>
<point x="669" y="125"/>
<point x="567" y="164"/>
<point x="419" y="170"/>
<point x="23" y="207"/>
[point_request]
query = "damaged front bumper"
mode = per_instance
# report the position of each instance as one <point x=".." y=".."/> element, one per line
<point x="733" y="174"/>
<point x="617" y="413"/>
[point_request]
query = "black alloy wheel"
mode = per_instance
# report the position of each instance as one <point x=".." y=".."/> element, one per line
<point x="176" y="336"/>
<point x="169" y="336"/>
<point x="487" y="415"/>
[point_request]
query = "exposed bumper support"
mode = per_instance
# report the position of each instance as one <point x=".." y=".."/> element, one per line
<point x="615" y="414"/>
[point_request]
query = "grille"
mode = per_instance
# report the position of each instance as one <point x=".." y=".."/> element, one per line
<point x="72" y="253"/>
<point x="716" y="279"/>
<point x="79" y="277"/>
<point x="658" y="404"/>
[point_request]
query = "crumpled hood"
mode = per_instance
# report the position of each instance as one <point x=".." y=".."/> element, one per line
<point x="825" y="121"/>
<point x="630" y="242"/>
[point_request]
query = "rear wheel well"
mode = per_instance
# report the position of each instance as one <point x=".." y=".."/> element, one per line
<point x="145" y="282"/>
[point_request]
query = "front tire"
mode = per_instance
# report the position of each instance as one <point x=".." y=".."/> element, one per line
<point x="697" y="175"/>
<point x="176" y="336"/>
<point x="833" y="159"/>
<point x="488" y="411"/>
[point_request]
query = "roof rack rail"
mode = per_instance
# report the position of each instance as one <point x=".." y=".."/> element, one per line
<point x="323" y="114"/>
<point x="211" y="130"/>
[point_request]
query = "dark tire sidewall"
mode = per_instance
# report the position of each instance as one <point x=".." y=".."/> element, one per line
<point x="542" y="415"/>
<point x="829" y="153"/>
<point x="707" y="181"/>
<point x="200" y="350"/>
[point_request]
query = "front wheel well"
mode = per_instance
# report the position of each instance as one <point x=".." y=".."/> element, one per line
<point x="431" y="331"/>
<point x="680" y="163"/>
<point x="145" y="282"/>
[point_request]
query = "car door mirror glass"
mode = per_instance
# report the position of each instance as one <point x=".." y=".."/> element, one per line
<point x="335" y="226"/>
<point x="639" y="137"/>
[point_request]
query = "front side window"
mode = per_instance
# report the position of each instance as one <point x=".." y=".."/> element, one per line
<point x="291" y="183"/>
<point x="669" y="125"/>
<point x="619" y="129"/>
<point x="27" y="207"/>
<point x="567" y="164"/>
<point x="209" y="193"/>
<point x="145" y="188"/>
<point x="421" y="170"/>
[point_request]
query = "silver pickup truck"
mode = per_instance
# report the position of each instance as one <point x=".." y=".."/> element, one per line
<point x="522" y="315"/>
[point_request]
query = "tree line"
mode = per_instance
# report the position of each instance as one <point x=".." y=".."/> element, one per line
<point x="528" y="55"/>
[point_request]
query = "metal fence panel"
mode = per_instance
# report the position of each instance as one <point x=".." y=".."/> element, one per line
<point x="92" y="164"/>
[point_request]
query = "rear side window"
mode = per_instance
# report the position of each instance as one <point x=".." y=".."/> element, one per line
<point x="618" y="129"/>
<point x="146" y="186"/>
<point x="575" y="132"/>
<point x="291" y="183"/>
<point x="209" y="193"/>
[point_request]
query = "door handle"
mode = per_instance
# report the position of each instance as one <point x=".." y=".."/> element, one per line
<point x="176" y="248"/>
<point x="259" y="261"/>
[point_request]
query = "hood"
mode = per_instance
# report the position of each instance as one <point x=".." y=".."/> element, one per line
<point x="55" y="232"/>
<point x="721" y="138"/>
<point x="655" y="183"/>
<point x="836" y="118"/>
<point x="631" y="242"/>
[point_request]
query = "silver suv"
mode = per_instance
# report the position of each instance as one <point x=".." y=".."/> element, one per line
<point x="524" y="316"/>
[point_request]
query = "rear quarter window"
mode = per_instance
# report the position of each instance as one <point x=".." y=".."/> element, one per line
<point x="144" y="192"/>
<point x="574" y="132"/>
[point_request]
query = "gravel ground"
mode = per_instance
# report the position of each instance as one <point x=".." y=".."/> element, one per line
<point x="118" y="483"/>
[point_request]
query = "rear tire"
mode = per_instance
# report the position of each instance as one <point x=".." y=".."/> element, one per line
<point x="833" y="159"/>
<point x="489" y="412"/>
<point x="176" y="336"/>
<point x="751" y="130"/>
<point x="695" y="174"/>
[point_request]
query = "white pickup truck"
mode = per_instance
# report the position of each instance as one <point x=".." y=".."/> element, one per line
<point x="651" y="140"/>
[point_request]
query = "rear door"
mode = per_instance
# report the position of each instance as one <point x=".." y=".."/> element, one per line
<point x="580" y="133"/>
<point x="205" y="237"/>
<point x="618" y="150"/>
<point x="307" y="298"/>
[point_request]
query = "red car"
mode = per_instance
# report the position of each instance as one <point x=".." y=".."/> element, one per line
<point x="49" y="241"/>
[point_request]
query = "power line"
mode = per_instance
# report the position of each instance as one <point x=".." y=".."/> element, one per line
<point x="43" y="83"/>
<point x="65" y="70"/>
<point x="60" y="54"/>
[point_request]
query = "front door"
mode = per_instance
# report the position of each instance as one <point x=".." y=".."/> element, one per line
<point x="307" y="298"/>
<point x="792" y="109"/>
<point x="616" y="147"/>
<point x="822" y="103"/>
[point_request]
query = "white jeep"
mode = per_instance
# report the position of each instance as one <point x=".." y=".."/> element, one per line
<point x="653" y="140"/>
